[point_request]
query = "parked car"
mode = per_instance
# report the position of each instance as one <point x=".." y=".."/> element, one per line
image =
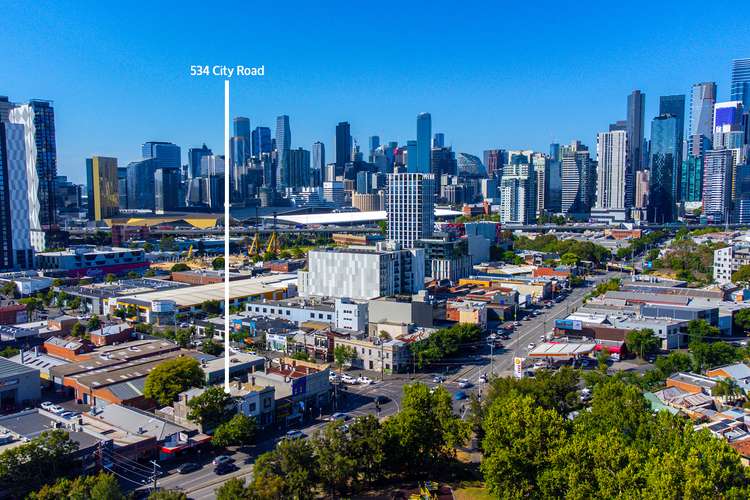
<point x="46" y="405"/>
<point x="483" y="378"/>
<point x="223" y="459"/>
<point x="348" y="379"/>
<point x="57" y="410"/>
<point x="188" y="467"/>
<point x="463" y="383"/>
<point x="517" y="323"/>
<point x="294" y="434"/>
<point x="339" y="416"/>
<point x="225" y="468"/>
<point x="459" y="396"/>
<point x="364" y="380"/>
<point x="333" y="377"/>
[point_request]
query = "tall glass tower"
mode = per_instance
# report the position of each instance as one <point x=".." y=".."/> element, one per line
<point x="662" y="185"/>
<point x="740" y="89"/>
<point x="675" y="105"/>
<point x="424" y="146"/>
<point x="701" y="115"/>
<point x="283" y="145"/>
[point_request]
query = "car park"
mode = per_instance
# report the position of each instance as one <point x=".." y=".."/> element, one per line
<point x="188" y="467"/>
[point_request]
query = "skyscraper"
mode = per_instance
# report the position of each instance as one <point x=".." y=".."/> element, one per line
<point x="438" y="140"/>
<point x="664" y="154"/>
<point x="578" y="179"/>
<point x="517" y="194"/>
<point x="635" y="129"/>
<point x="299" y="168"/>
<point x="374" y="143"/>
<point x="611" y="155"/>
<point x="241" y="143"/>
<point x="701" y="116"/>
<point x="261" y="140"/>
<point x="343" y="146"/>
<point x="242" y="128"/>
<point x="283" y="145"/>
<point x="540" y="163"/>
<point x="38" y="120"/>
<point x="493" y="161"/>
<point x="103" y="187"/>
<point x="424" y="138"/>
<point x="728" y="130"/>
<point x="740" y="89"/>
<point x="675" y="105"/>
<point x="20" y="228"/>
<point x="691" y="178"/>
<point x="410" y="207"/>
<point x="166" y="154"/>
<point x="318" y="163"/>
<point x="141" y="183"/>
<point x="194" y="160"/>
<point x="166" y="188"/>
<point x="717" y="184"/>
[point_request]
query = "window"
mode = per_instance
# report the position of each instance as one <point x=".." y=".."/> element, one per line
<point x="252" y="406"/>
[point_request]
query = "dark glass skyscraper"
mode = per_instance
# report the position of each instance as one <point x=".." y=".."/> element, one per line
<point x="635" y="127"/>
<point x="46" y="159"/>
<point x="261" y="141"/>
<point x="343" y="146"/>
<point x="424" y="145"/>
<point x="194" y="160"/>
<point x="740" y="90"/>
<point x="675" y="105"/>
<point x="691" y="182"/>
<point x="662" y="184"/>
<point x="283" y="145"/>
<point x="167" y="155"/>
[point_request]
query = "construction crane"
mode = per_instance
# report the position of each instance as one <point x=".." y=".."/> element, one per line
<point x="252" y="250"/>
<point x="273" y="244"/>
<point x="189" y="253"/>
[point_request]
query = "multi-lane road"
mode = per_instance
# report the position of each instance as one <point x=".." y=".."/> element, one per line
<point x="359" y="400"/>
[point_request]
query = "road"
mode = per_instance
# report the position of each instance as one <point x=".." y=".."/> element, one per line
<point x="359" y="400"/>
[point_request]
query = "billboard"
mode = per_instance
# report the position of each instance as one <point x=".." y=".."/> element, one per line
<point x="518" y="367"/>
<point x="568" y="324"/>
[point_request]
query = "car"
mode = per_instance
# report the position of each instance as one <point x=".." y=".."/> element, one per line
<point x="527" y="318"/>
<point x="483" y="378"/>
<point x="651" y="358"/>
<point x="459" y="396"/>
<point x="339" y="416"/>
<point x="57" y="410"/>
<point x="364" y="380"/>
<point x="381" y="400"/>
<point x="438" y="379"/>
<point x="463" y="383"/>
<point x="531" y="346"/>
<point x="188" y="467"/>
<point x="225" y="468"/>
<point x="222" y="459"/>
<point x="46" y="405"/>
<point x="332" y="377"/>
<point x="69" y="414"/>
<point x="294" y="434"/>
<point x="542" y="338"/>
<point x="516" y="323"/>
<point x="348" y="379"/>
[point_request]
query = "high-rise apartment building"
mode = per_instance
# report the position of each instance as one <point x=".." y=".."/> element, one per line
<point x="612" y="169"/>
<point x="438" y="140"/>
<point x="518" y="194"/>
<point x="675" y="105"/>
<point x="166" y="189"/>
<point x="717" y="184"/>
<point x="20" y="227"/>
<point x="578" y="173"/>
<point x="38" y="120"/>
<point x="540" y="163"/>
<point x="740" y="86"/>
<point x="636" y="114"/>
<point x="664" y="154"/>
<point x="410" y="207"/>
<point x="691" y="182"/>
<point x="343" y="146"/>
<point x="421" y="163"/>
<point x="102" y="187"/>
<point x="373" y="143"/>
<point x="283" y="146"/>
<point x="701" y="117"/>
<point x="141" y="183"/>
<point x="493" y="161"/>
<point x="318" y="166"/>
<point x="299" y="168"/>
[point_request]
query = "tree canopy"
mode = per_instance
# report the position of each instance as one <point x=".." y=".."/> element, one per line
<point x="172" y="377"/>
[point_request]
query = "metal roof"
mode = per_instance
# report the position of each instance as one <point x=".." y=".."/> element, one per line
<point x="555" y="349"/>
<point x="9" y="368"/>
<point x="350" y="217"/>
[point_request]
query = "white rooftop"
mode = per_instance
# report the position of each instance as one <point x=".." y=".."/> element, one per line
<point x="350" y="217"/>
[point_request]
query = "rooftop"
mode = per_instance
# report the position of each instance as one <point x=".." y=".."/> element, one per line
<point x="350" y="217"/>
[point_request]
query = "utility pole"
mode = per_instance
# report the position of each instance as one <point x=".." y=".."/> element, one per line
<point x="154" y="475"/>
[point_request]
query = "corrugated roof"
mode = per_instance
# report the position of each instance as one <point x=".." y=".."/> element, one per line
<point x="9" y="368"/>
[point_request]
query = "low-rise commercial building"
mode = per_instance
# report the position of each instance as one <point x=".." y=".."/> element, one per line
<point x="90" y="260"/>
<point x="19" y="385"/>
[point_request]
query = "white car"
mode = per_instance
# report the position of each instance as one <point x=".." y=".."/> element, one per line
<point x="531" y="346"/>
<point x="47" y="406"/>
<point x="348" y="379"/>
<point x="483" y="378"/>
<point x="364" y="380"/>
<point x="463" y="383"/>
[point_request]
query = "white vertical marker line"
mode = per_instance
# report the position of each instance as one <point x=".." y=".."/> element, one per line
<point x="227" y="154"/>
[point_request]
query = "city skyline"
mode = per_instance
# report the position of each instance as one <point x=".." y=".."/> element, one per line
<point x="541" y="92"/>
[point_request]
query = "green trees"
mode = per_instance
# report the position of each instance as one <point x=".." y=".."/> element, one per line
<point x="425" y="432"/>
<point x="286" y="472"/>
<point x="110" y="278"/>
<point x="172" y="377"/>
<point x="234" y="489"/>
<point x="742" y="275"/>
<point x="211" y="347"/>
<point x="617" y="449"/>
<point x="642" y="342"/>
<point x="179" y="267"/>
<point x="342" y="355"/>
<point x="211" y="408"/>
<point x="93" y="323"/>
<point x="211" y="307"/>
<point x="102" y="485"/>
<point x="26" y="467"/>
<point x="239" y="431"/>
<point x="584" y="250"/>
<point x="218" y="264"/>
<point x="444" y="343"/>
<point x="569" y="259"/>
<point x="742" y="318"/>
<point x="612" y="285"/>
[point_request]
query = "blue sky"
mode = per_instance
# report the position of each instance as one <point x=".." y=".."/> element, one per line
<point x="512" y="76"/>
